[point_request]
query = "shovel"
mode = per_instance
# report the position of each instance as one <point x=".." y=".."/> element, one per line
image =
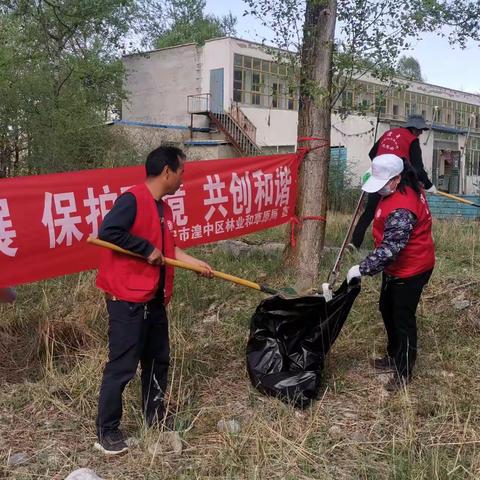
<point x="332" y="278"/>
<point x="187" y="266"/>
<point x="457" y="199"/>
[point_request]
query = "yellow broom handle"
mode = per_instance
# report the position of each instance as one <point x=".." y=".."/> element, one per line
<point x="454" y="197"/>
<point x="178" y="264"/>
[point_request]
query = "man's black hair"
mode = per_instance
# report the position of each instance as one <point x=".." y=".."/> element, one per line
<point x="161" y="157"/>
<point x="409" y="178"/>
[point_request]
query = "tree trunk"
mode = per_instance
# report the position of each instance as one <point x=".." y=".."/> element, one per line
<point x="314" y="121"/>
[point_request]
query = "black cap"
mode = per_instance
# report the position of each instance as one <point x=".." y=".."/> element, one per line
<point x="416" y="121"/>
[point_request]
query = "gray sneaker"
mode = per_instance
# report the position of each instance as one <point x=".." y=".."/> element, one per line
<point x="111" y="443"/>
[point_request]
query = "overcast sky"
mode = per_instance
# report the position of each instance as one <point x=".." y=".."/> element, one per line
<point x="441" y="64"/>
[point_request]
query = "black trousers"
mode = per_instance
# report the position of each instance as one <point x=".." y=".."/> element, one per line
<point x="137" y="332"/>
<point x="399" y="299"/>
<point x="365" y="219"/>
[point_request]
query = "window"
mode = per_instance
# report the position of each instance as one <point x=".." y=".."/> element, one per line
<point x="381" y="105"/>
<point x="367" y="98"/>
<point x="274" y="95"/>
<point x="256" y="88"/>
<point x="292" y="103"/>
<point x="347" y="99"/>
<point x="365" y="105"/>
<point x="473" y="156"/>
<point x="458" y="119"/>
<point x="262" y="82"/>
<point x="237" y="85"/>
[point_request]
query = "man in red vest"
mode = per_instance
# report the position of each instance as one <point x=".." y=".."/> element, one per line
<point x="405" y="253"/>
<point x="404" y="143"/>
<point x="137" y="292"/>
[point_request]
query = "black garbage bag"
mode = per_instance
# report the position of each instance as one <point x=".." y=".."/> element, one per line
<point x="289" y="339"/>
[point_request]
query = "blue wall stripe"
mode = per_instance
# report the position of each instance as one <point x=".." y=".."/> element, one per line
<point x="158" y="125"/>
<point x="209" y="143"/>
<point x="442" y="207"/>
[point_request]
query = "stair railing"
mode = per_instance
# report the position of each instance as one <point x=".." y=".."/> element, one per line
<point x="198" y="103"/>
<point x="246" y="125"/>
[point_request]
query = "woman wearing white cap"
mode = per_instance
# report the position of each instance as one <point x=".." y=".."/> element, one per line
<point x="403" y="142"/>
<point x="404" y="251"/>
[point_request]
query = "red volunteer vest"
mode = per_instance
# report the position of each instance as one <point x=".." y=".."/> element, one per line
<point x="133" y="279"/>
<point x="419" y="254"/>
<point x="396" y="141"/>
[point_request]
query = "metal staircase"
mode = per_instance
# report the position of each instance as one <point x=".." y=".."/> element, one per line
<point x="235" y="133"/>
<point x="235" y="125"/>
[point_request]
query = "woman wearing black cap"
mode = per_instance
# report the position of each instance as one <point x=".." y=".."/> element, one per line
<point x="404" y="143"/>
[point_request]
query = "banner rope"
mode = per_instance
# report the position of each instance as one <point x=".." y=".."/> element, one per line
<point x="295" y="220"/>
<point x="302" y="151"/>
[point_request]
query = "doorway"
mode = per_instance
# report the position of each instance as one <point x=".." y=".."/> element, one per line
<point x="446" y="170"/>
<point x="216" y="90"/>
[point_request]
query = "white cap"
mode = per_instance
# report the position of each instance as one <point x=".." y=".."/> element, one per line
<point x="384" y="168"/>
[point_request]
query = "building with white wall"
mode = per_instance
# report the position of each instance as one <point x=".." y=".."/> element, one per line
<point x="239" y="88"/>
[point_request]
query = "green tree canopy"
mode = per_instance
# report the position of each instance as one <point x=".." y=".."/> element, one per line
<point x="187" y="22"/>
<point x="409" y="68"/>
<point x="60" y="76"/>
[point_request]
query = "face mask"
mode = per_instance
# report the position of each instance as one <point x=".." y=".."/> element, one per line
<point x="386" y="191"/>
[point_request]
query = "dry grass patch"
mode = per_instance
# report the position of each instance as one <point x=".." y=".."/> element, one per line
<point x="354" y="431"/>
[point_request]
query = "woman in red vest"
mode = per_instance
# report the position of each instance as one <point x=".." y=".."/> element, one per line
<point x="137" y="291"/>
<point x="405" y="253"/>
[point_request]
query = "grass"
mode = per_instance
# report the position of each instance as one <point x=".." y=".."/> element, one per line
<point x="53" y="346"/>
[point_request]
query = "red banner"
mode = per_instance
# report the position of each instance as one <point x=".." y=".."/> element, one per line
<point x="45" y="220"/>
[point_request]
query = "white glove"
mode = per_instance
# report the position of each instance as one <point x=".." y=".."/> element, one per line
<point x="327" y="292"/>
<point x="432" y="189"/>
<point x="354" y="272"/>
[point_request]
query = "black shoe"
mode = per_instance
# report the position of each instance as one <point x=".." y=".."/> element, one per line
<point x="384" y="363"/>
<point x="111" y="443"/>
<point x="397" y="383"/>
